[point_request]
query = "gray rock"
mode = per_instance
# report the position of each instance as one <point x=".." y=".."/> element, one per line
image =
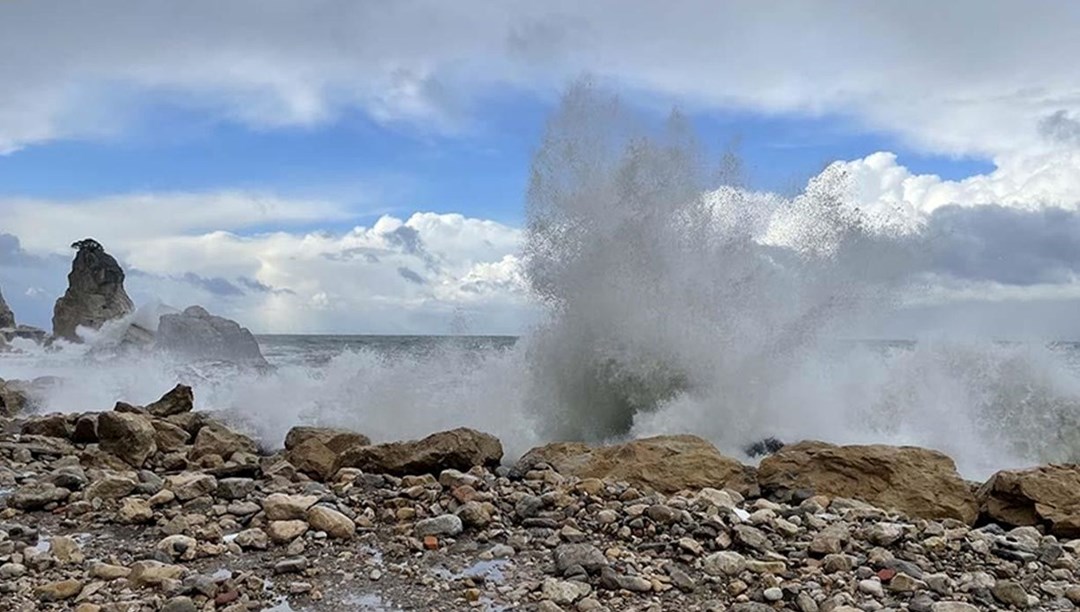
<point x="445" y="525"/>
<point x="235" y="488"/>
<point x="37" y="495"/>
<point x="95" y="292"/>
<point x="179" y="604"/>
<point x="197" y="335"/>
<point x="7" y="318"/>
<point x="583" y="555"/>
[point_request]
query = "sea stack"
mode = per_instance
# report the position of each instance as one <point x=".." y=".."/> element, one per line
<point x="197" y="335"/>
<point x="95" y="292"/>
<point x="7" y="318"/>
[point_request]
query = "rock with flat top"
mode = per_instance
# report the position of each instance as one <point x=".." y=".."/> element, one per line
<point x="458" y="449"/>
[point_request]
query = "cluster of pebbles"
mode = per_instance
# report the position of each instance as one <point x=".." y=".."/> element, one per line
<point x="92" y="519"/>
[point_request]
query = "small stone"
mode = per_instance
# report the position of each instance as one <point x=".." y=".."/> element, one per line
<point x="189" y="485"/>
<point x="281" y="507"/>
<point x="1010" y="593"/>
<point x="235" y="488"/>
<point x="179" y="604"/>
<point x="445" y="525"/>
<point x="110" y="486"/>
<point x="585" y="556"/>
<point x="724" y="563"/>
<point x="154" y="573"/>
<point x="58" y="591"/>
<point x="133" y="511"/>
<point x="65" y="550"/>
<point x="283" y="532"/>
<point x="11" y="571"/>
<point x="872" y="588"/>
<point x="254" y="538"/>
<point x="104" y="571"/>
<point x="178" y="547"/>
<point x="564" y="592"/>
<point x="293" y="565"/>
<point x="773" y="594"/>
<point x="751" y="537"/>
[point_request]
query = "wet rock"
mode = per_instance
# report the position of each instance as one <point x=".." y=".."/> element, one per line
<point x="95" y="292"/>
<point x="129" y="436"/>
<point x="920" y="482"/>
<point x="666" y="464"/>
<point x="197" y="335"/>
<point x="459" y="449"/>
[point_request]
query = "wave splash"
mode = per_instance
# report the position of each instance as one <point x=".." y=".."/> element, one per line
<point x="676" y="301"/>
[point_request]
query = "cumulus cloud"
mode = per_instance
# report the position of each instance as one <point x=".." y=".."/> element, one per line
<point x="424" y="273"/>
<point x="920" y="70"/>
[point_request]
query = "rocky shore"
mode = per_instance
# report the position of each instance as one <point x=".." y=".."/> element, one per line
<point x="163" y="507"/>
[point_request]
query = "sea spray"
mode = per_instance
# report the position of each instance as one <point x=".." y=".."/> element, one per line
<point x="676" y="301"/>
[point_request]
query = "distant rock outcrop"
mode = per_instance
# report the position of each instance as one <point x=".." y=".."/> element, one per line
<point x="95" y="292"/>
<point x="7" y="318"/>
<point x="198" y="335"/>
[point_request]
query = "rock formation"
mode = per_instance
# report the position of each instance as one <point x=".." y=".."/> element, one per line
<point x="459" y="449"/>
<point x="665" y="464"/>
<point x="917" y="481"/>
<point x="196" y="334"/>
<point x="95" y="292"/>
<point x="1046" y="496"/>
<point x="7" y="318"/>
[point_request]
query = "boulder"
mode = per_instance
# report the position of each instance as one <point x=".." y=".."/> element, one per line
<point x="337" y="440"/>
<point x="130" y="436"/>
<point x="665" y="464"/>
<point x="36" y="496"/>
<point x="458" y="449"/>
<point x="1043" y="496"/>
<point x="916" y="481"/>
<point x="197" y="335"/>
<point x="50" y="425"/>
<point x="179" y="400"/>
<point x="217" y="439"/>
<point x="13" y="398"/>
<point x="169" y="437"/>
<point x="95" y="292"/>
<point x="7" y="318"/>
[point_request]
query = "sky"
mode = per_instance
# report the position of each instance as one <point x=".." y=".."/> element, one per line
<point x="339" y="166"/>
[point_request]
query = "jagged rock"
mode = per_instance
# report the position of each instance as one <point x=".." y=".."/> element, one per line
<point x="7" y="318"/>
<point x="95" y="292"/>
<point x="169" y="437"/>
<point x="130" y="436"/>
<point x="177" y="401"/>
<point x="458" y="449"/>
<point x="315" y="450"/>
<point x="1047" y="495"/>
<point x="198" y="335"/>
<point x="37" y="496"/>
<point x="216" y="439"/>
<point x="13" y="399"/>
<point x="50" y="425"/>
<point x="664" y="463"/>
<point x="919" y="482"/>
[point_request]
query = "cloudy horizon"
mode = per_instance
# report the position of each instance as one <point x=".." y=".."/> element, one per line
<point x="354" y="167"/>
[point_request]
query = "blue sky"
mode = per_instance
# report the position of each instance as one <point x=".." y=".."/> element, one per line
<point x="480" y="171"/>
<point x="366" y="162"/>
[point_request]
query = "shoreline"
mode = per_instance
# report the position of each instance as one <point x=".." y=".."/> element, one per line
<point x="162" y="507"/>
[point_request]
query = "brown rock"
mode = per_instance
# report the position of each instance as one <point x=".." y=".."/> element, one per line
<point x="59" y="591"/>
<point x="1047" y="495"/>
<point x="51" y="425"/>
<point x="217" y="439"/>
<point x="919" y="482"/>
<point x="128" y="436"/>
<point x="283" y="532"/>
<point x="169" y="437"/>
<point x="313" y="457"/>
<point x="334" y="523"/>
<point x="665" y="464"/>
<point x="459" y="449"/>
<point x="13" y="399"/>
<point x="179" y="400"/>
<point x="85" y="429"/>
<point x="337" y="440"/>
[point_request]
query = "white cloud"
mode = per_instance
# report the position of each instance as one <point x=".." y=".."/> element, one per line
<point x="420" y="274"/>
<point x="968" y="77"/>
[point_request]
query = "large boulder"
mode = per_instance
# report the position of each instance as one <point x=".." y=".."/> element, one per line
<point x="665" y="464"/>
<point x="916" y="481"/>
<point x="197" y="335"/>
<point x="216" y="439"/>
<point x="7" y="318"/>
<point x="181" y="399"/>
<point x="458" y="449"/>
<point x="95" y="292"/>
<point x="315" y="450"/>
<point x="127" y="435"/>
<point x="1045" y="496"/>
<point x="13" y="398"/>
